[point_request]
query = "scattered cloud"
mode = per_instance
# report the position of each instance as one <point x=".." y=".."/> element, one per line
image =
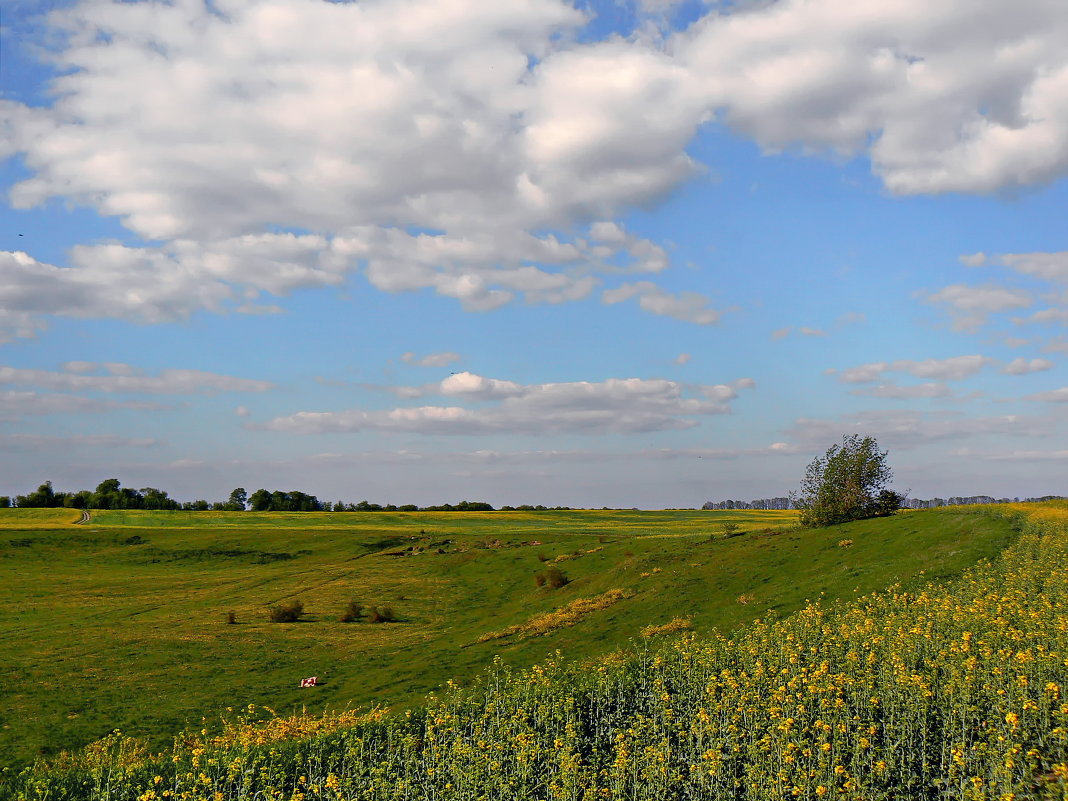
<point x="970" y="305"/>
<point x="242" y="411"/>
<point x="34" y="442"/>
<point x="431" y="145"/>
<point x="910" y="429"/>
<point x="1022" y="366"/>
<point x="683" y="358"/>
<point x="15" y="405"/>
<point x="431" y="359"/>
<point x="931" y="389"/>
<point x="781" y="333"/>
<point x="973" y="259"/>
<point x="811" y="332"/>
<point x="690" y="307"/>
<point x="954" y="368"/>
<point x="629" y="405"/>
<point x="1052" y="396"/>
<point x="1048" y="266"/>
<point x="123" y="378"/>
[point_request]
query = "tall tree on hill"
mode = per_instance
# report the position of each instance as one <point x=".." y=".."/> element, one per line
<point x="847" y="483"/>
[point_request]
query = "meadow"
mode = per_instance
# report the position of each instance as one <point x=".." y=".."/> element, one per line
<point x="120" y="623"/>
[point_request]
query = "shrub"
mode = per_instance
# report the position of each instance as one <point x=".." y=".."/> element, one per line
<point x="381" y="614"/>
<point x="729" y="529"/>
<point x="286" y="613"/>
<point x="543" y="557"/>
<point x="231" y="617"/>
<point x="353" y="612"/>
<point x="539" y="579"/>
<point x="555" y="578"/>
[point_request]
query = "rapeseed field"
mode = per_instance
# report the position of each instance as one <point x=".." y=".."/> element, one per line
<point x="954" y="692"/>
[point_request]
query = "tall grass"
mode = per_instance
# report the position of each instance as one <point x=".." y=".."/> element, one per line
<point x="955" y="692"/>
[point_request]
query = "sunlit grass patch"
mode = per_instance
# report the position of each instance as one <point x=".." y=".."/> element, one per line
<point x="568" y="615"/>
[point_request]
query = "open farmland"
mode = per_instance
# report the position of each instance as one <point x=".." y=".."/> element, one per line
<point x="120" y="623"/>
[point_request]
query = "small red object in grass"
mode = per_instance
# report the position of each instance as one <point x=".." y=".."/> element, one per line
<point x="309" y="682"/>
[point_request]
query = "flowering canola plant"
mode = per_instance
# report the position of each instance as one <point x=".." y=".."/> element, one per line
<point x="958" y="691"/>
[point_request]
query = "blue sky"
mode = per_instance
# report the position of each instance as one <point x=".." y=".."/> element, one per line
<point x="621" y="253"/>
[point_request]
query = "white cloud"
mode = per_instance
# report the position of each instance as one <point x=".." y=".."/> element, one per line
<point x="615" y="405"/>
<point x="242" y="411"/>
<point x="781" y="333"/>
<point x="973" y="259"/>
<point x="954" y="368"/>
<point x="958" y="96"/>
<point x="441" y="359"/>
<point x="931" y="389"/>
<point x="1052" y="396"/>
<point x="123" y="378"/>
<point x="433" y="144"/>
<point x="1057" y="345"/>
<point x="683" y="358"/>
<point x="690" y="307"/>
<point x="1022" y="366"/>
<point x="35" y="442"/>
<point x="981" y="299"/>
<point x="811" y="332"/>
<point x="910" y="429"/>
<point x="1049" y="266"/>
<point x="15" y="404"/>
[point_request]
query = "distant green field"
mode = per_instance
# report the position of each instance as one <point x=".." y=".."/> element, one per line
<point x="120" y="622"/>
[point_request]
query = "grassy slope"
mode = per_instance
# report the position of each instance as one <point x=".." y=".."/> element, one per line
<point x="119" y="623"/>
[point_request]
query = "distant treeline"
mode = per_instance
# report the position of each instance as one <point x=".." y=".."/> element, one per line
<point x="762" y="503"/>
<point x="110" y="494"/>
<point x="906" y="503"/>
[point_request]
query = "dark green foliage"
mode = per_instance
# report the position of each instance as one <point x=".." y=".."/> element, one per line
<point x="553" y="576"/>
<point x="353" y="612"/>
<point x="846" y="483"/>
<point x="730" y="529"/>
<point x="381" y="614"/>
<point x="286" y="613"/>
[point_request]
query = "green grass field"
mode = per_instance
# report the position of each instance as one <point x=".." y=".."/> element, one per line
<point x="120" y="622"/>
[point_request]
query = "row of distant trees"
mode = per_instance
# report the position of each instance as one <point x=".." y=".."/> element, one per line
<point x="110" y="494"/>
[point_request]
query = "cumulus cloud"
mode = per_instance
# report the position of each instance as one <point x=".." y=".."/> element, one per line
<point x="437" y="145"/>
<point x="1048" y="266"/>
<point x="962" y="96"/>
<point x="615" y="405"/>
<point x="15" y="404"/>
<point x="1022" y="366"/>
<point x="35" y="442"/>
<point x="441" y="359"/>
<point x="1052" y="396"/>
<point x="910" y="429"/>
<point x="954" y="368"/>
<point x="690" y="307"/>
<point x="930" y="389"/>
<point x="123" y="378"/>
<point x="683" y="358"/>
<point x="970" y="305"/>
<point x="973" y="259"/>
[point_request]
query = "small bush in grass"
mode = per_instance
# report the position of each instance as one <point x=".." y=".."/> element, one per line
<point x="381" y="614"/>
<point x="231" y="617"/>
<point x="555" y="578"/>
<point x="286" y="613"/>
<point x="539" y="579"/>
<point x="353" y="612"/>
<point x="543" y="557"/>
